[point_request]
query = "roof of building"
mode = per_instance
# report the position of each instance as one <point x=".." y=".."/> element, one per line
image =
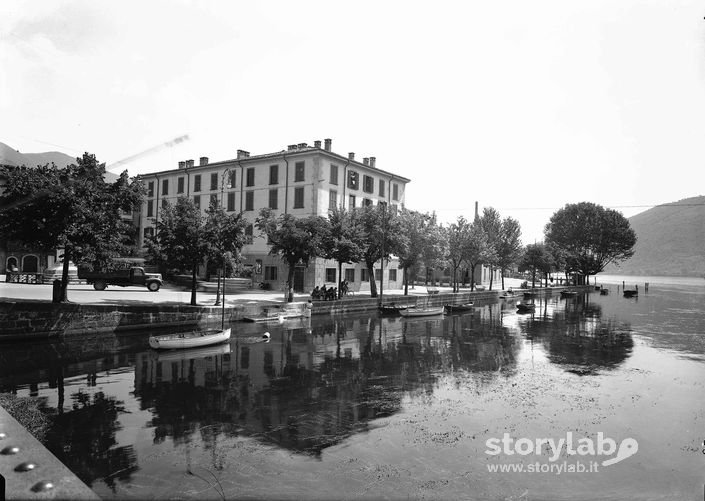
<point x="282" y="153"/>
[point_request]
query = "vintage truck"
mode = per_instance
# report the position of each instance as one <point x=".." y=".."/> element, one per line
<point x="134" y="275"/>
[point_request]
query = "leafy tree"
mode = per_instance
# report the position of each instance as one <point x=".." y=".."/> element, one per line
<point x="457" y="235"/>
<point x="591" y="236"/>
<point x="508" y="245"/>
<point x="419" y="229"/>
<point x="225" y="234"/>
<point x="491" y="224"/>
<point x="477" y="250"/>
<point x="383" y="237"/>
<point x="72" y="208"/>
<point x="296" y="240"/>
<point x="180" y="240"/>
<point x="345" y="242"/>
<point x="435" y="252"/>
<point x="535" y="258"/>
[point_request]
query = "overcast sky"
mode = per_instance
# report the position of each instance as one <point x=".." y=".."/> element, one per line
<point x="521" y="106"/>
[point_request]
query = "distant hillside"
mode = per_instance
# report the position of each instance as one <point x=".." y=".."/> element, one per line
<point x="10" y="156"/>
<point x="671" y="240"/>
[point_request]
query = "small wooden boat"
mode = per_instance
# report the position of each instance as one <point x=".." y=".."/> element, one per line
<point x="525" y="307"/>
<point x="421" y="312"/>
<point x="282" y="313"/>
<point x="631" y="293"/>
<point x="529" y="295"/>
<point x="604" y="292"/>
<point x="459" y="308"/>
<point x="189" y="339"/>
<point x="507" y="295"/>
<point x="391" y="309"/>
<point x="567" y="293"/>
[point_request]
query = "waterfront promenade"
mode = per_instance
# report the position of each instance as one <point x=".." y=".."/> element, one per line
<point x="85" y="294"/>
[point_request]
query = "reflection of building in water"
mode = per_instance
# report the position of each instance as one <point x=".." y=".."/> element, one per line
<point x="311" y="387"/>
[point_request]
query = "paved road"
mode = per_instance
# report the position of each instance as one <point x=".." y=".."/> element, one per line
<point x="167" y="295"/>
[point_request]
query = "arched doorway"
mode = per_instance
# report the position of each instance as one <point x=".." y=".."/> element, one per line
<point x="11" y="264"/>
<point x="30" y="263"/>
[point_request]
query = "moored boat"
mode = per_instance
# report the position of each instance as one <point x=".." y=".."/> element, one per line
<point x="421" y="312"/>
<point x="459" y="308"/>
<point x="567" y="293"/>
<point x="604" y="292"/>
<point x="189" y="339"/>
<point x="525" y="307"/>
<point x="391" y="309"/>
<point x="631" y="293"/>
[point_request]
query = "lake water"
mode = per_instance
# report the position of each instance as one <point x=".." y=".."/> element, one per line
<point x="385" y="407"/>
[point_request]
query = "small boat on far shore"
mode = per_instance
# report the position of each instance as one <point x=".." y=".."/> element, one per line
<point x="631" y="293"/>
<point x="422" y="312"/>
<point x="566" y="293"/>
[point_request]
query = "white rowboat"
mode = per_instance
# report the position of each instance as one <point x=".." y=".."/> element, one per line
<point x="189" y="339"/>
<point x="421" y="312"/>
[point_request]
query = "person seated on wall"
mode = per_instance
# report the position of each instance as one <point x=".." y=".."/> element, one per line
<point x="316" y="293"/>
<point x="324" y="291"/>
<point x="331" y="294"/>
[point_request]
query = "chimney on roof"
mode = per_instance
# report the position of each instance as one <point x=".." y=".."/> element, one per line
<point x="303" y="145"/>
<point x="242" y="154"/>
<point x="477" y="212"/>
<point x="351" y="155"/>
<point x="373" y="160"/>
<point x="316" y="144"/>
<point x="189" y="163"/>
<point x="328" y="143"/>
<point x="366" y="161"/>
<point x="182" y="165"/>
<point x="203" y="161"/>
<point x="291" y="147"/>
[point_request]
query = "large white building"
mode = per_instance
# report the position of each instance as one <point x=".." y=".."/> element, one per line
<point x="302" y="180"/>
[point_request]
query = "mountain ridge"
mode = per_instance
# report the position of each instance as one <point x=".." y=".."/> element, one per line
<point x="11" y="156"/>
<point x="670" y="240"/>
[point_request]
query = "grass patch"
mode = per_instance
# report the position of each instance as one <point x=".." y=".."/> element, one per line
<point x="26" y="410"/>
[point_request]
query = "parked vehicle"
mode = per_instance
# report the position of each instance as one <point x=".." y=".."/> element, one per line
<point x="122" y="277"/>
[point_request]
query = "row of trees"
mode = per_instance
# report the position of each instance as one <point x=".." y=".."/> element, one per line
<point x="580" y="240"/>
<point x="373" y="234"/>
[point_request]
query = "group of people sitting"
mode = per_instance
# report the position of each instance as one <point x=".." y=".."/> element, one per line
<point x="330" y="293"/>
<point x="324" y="294"/>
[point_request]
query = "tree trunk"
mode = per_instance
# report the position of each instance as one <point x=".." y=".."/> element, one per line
<point x="290" y="283"/>
<point x="501" y="272"/>
<point x="63" y="297"/>
<point x="472" y="277"/>
<point x="491" y="276"/>
<point x="406" y="282"/>
<point x="194" y="284"/>
<point x="340" y="279"/>
<point x="373" y="283"/>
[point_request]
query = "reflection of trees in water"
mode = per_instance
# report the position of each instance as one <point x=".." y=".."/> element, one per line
<point x="312" y="387"/>
<point x="84" y="440"/>
<point x="578" y="336"/>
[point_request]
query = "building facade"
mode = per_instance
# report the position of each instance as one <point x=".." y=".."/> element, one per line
<point x="302" y="181"/>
